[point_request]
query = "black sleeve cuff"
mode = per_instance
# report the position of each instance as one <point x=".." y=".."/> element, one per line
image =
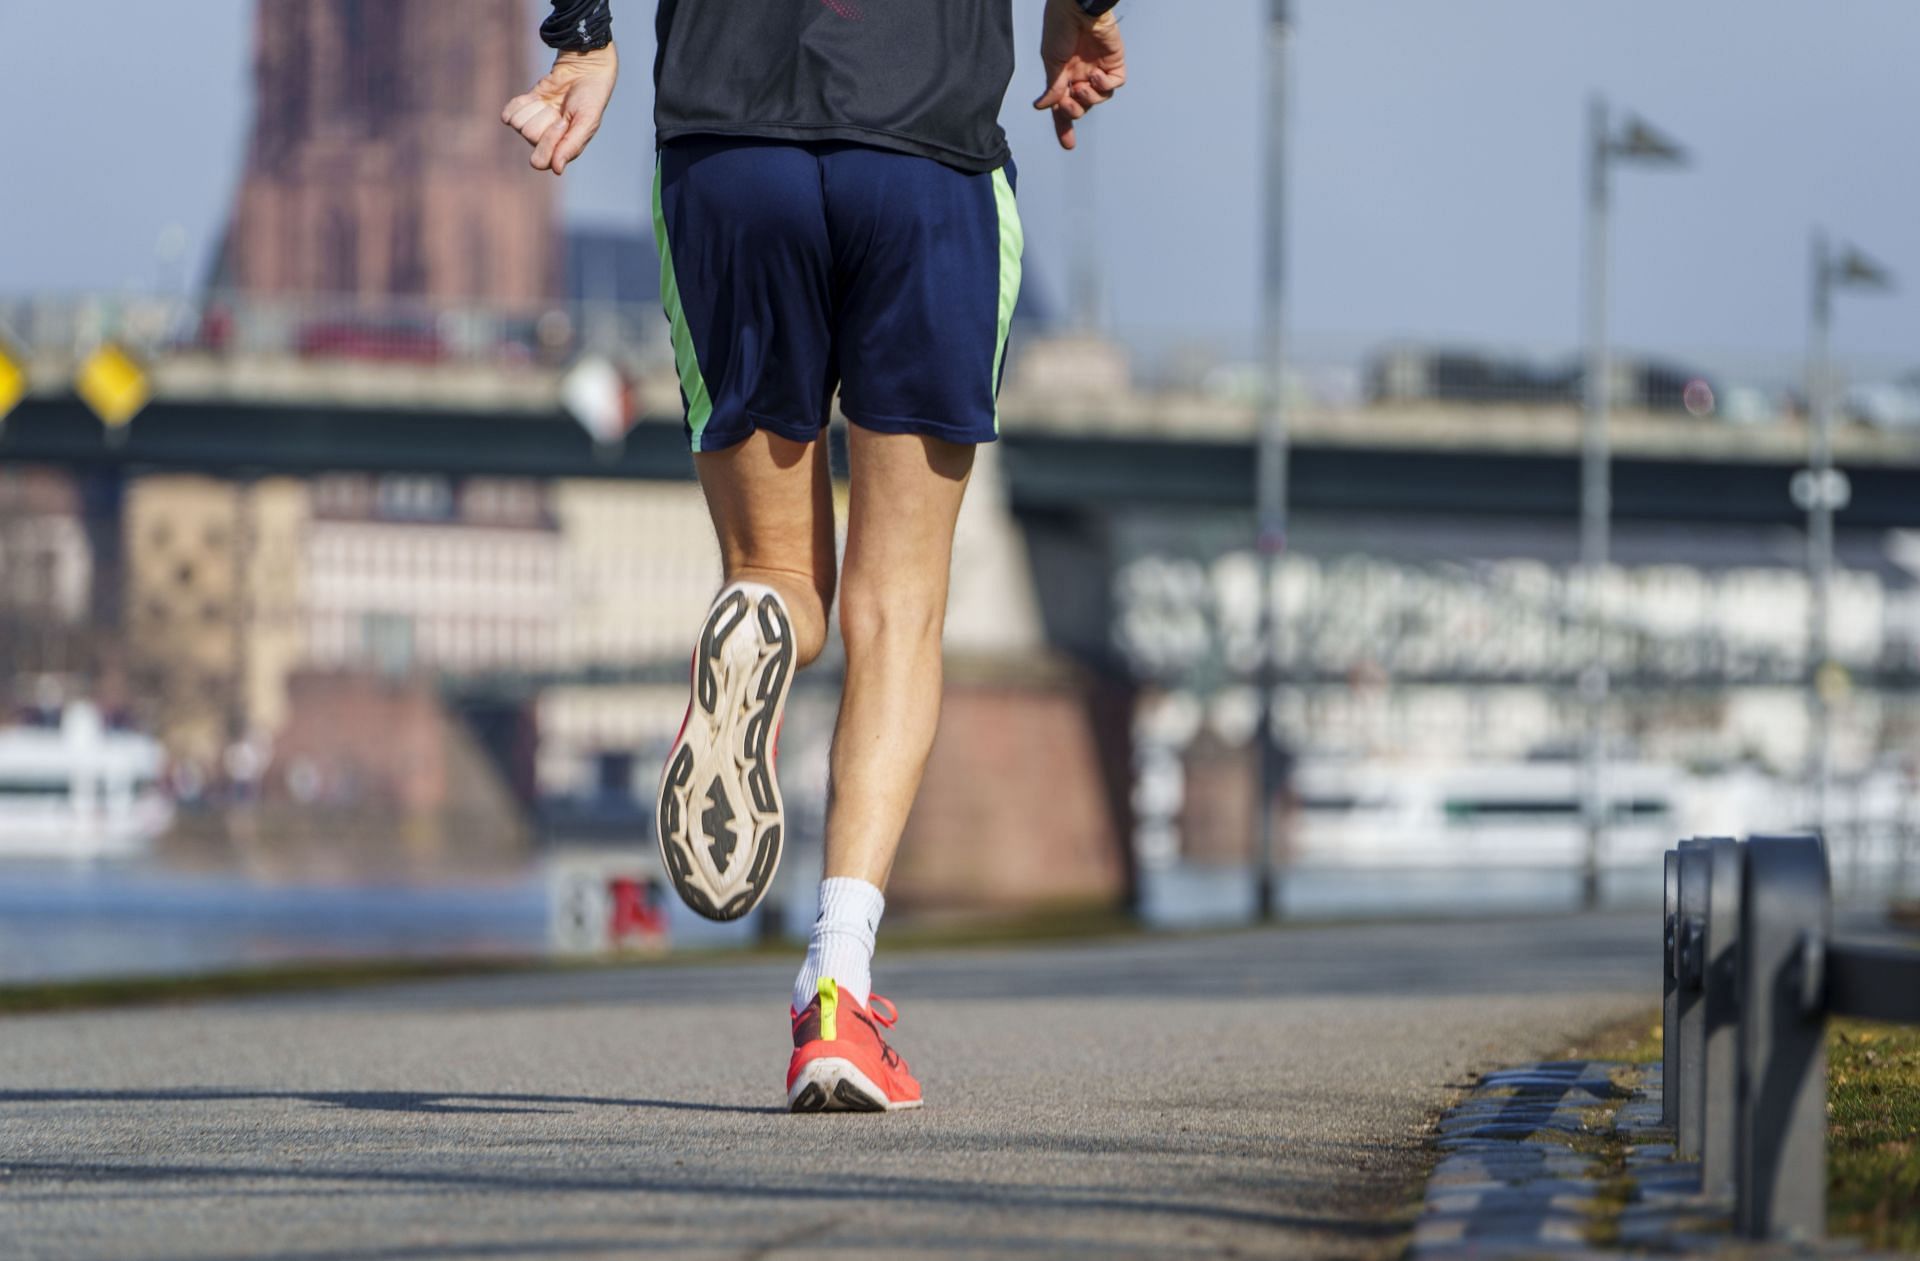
<point x="1094" y="8"/>
<point x="578" y="26"/>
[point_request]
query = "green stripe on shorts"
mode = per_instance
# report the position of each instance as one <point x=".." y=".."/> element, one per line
<point x="699" y="402"/>
<point x="1012" y="241"/>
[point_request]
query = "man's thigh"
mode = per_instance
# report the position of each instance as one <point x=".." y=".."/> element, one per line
<point x="771" y="500"/>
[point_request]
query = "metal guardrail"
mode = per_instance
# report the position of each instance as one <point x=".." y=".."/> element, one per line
<point x="1752" y="972"/>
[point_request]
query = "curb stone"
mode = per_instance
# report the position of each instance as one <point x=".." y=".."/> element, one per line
<point x="1531" y="1166"/>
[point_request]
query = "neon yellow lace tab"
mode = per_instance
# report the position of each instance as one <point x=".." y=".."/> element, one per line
<point x="829" y="1009"/>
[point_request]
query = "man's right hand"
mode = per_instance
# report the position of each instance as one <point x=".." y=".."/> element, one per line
<point x="1086" y="63"/>
<point x="563" y="111"/>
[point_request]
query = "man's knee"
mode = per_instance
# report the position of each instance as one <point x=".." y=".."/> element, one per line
<point x="874" y="617"/>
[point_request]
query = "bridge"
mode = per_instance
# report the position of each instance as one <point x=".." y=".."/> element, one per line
<point x="1065" y="451"/>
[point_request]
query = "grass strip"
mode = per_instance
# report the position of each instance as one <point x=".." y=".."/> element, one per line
<point x="1635" y="1040"/>
<point x="1873" y="1124"/>
<point x="1873" y="1134"/>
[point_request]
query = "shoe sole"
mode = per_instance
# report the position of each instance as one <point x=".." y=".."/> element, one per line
<point x="836" y="1085"/>
<point x="721" y="819"/>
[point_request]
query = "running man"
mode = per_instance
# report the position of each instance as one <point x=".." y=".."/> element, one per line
<point x="834" y="204"/>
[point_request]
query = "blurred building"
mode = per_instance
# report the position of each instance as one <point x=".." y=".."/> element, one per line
<point x="46" y="566"/>
<point x="381" y="776"/>
<point x="233" y="586"/>
<point x="612" y="265"/>
<point x="377" y="165"/>
<point x="432" y="574"/>
<point x="212" y="580"/>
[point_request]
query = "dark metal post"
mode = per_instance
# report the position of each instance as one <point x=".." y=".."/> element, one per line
<point x="1824" y="492"/>
<point x="1696" y="867"/>
<point x="1721" y="1077"/>
<point x="1596" y="508"/>
<point x="1820" y="534"/>
<point x="1272" y="467"/>
<point x="1781" y="1188"/>
<point x="1669" y="998"/>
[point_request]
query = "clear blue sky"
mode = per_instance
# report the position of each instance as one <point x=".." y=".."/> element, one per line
<point x="1437" y="175"/>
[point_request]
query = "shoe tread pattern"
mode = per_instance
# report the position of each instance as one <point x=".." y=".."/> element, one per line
<point x="680" y="796"/>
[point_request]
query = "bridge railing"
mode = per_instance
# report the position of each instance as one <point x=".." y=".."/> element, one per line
<point x="1328" y="371"/>
<point x="333" y="327"/>
<point x="1752" y="972"/>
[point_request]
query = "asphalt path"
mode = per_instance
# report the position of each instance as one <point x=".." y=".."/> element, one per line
<point x="1247" y="1094"/>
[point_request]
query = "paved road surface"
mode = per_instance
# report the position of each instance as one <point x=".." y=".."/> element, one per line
<point x="1254" y="1094"/>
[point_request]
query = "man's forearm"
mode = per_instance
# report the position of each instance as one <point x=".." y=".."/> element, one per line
<point x="578" y="26"/>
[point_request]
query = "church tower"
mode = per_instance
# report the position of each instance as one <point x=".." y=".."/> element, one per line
<point x="378" y="167"/>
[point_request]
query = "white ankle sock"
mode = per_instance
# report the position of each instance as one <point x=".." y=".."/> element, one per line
<point x="842" y="943"/>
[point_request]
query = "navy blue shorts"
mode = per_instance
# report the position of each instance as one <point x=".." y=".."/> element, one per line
<point x="792" y="270"/>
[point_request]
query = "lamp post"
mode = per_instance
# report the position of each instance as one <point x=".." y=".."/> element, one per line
<point x="1638" y="143"/>
<point x="1271" y="473"/>
<point x="1822" y="490"/>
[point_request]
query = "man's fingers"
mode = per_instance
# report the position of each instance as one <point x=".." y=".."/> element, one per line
<point x="1063" y="128"/>
<point x="549" y="141"/>
<point x="1056" y="90"/>
<point x="518" y="108"/>
<point x="522" y="108"/>
<point x="1108" y="81"/>
<point x="1071" y="107"/>
<point x="574" y="143"/>
<point x="534" y="122"/>
<point x="582" y="129"/>
<point x="1090" y="96"/>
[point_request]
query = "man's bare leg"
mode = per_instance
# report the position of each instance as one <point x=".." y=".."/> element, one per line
<point x="893" y="605"/>
<point x="771" y="500"/>
<point x="721" y="819"/>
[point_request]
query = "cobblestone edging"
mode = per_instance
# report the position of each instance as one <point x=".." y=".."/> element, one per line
<point x="1569" y="1159"/>
<point x="1563" y="1159"/>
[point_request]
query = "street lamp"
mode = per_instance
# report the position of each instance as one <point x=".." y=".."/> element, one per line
<point x="1271" y="472"/>
<point x="1822" y="490"/>
<point x="1635" y="142"/>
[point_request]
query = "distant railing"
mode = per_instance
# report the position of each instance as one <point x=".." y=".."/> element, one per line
<point x="1342" y="373"/>
<point x="1752" y="972"/>
<point x="334" y="327"/>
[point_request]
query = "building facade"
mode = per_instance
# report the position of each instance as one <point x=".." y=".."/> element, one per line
<point x="377" y="165"/>
<point x="429" y="574"/>
<point x="46" y="575"/>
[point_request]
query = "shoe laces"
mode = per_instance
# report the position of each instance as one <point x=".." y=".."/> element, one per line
<point x="885" y="1014"/>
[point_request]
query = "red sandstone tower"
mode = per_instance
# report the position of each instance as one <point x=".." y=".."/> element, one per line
<point x="378" y="166"/>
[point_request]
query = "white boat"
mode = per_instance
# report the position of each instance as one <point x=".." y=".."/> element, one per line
<point x="1509" y="815"/>
<point x="80" y="791"/>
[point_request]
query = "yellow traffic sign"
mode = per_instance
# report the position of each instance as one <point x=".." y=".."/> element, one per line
<point x="13" y="382"/>
<point x="113" y="385"/>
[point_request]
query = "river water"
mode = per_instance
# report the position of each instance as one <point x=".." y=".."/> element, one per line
<point x="68" y="923"/>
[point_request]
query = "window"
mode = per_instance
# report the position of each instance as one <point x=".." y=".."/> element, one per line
<point x="409" y="253"/>
<point x="340" y="253"/>
<point x="386" y="639"/>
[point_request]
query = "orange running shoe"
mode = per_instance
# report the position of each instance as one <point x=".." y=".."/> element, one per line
<point x="841" y="1063"/>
